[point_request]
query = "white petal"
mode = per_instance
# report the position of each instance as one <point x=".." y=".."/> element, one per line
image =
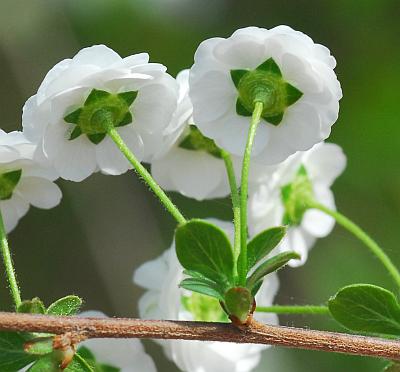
<point x="151" y="274"/>
<point x="317" y="223"/>
<point x="13" y="210"/>
<point x="39" y="192"/>
<point x="131" y="61"/>
<point x="98" y="55"/>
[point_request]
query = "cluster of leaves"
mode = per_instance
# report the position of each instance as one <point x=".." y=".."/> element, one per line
<point x="18" y="350"/>
<point x="206" y="254"/>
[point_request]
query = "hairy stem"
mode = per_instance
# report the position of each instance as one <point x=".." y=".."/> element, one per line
<point x="235" y="205"/>
<point x="255" y="120"/>
<point x="256" y="333"/>
<point x="146" y="176"/>
<point x="294" y="309"/>
<point x="366" y="239"/>
<point x="10" y="272"/>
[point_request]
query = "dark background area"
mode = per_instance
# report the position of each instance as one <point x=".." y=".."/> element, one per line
<point x="107" y="226"/>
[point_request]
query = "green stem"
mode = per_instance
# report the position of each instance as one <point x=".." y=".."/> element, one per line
<point x="360" y="234"/>
<point x="5" y="252"/>
<point x="255" y="120"/>
<point x="235" y="205"/>
<point x="295" y="309"/>
<point x="146" y="176"/>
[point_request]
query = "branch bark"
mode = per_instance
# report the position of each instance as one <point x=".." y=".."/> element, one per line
<point x="256" y="333"/>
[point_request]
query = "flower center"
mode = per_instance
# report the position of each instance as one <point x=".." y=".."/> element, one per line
<point x="8" y="182"/>
<point x="100" y="111"/>
<point x="204" y="308"/>
<point x="296" y="197"/>
<point x="264" y="84"/>
<point x="195" y="141"/>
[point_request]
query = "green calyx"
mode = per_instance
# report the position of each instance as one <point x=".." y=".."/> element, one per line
<point x="204" y="308"/>
<point x="101" y="111"/>
<point x="264" y="84"/>
<point x="196" y="141"/>
<point x="296" y="197"/>
<point x="8" y="182"/>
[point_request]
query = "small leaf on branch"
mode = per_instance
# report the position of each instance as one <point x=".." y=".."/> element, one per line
<point x="392" y="367"/>
<point x="47" y="363"/>
<point x="203" y="286"/>
<point x="79" y="364"/>
<point x="239" y="303"/>
<point x="263" y="243"/>
<point x="34" y="306"/>
<point x="269" y="266"/>
<point x="69" y="305"/>
<point x="90" y="359"/>
<point x="12" y="354"/>
<point x="39" y="346"/>
<point x="205" y="248"/>
<point x="366" y="308"/>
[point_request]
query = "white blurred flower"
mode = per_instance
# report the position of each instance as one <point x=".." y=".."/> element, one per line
<point x="126" y="354"/>
<point x="295" y="76"/>
<point x="165" y="300"/>
<point x="267" y="207"/>
<point x="23" y="181"/>
<point x="187" y="162"/>
<point x="74" y="141"/>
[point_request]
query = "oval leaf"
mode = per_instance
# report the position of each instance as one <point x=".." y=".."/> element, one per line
<point x="12" y="354"/>
<point x="203" y="286"/>
<point x="366" y="308"/>
<point x="269" y="266"/>
<point x="205" y="248"/>
<point x="263" y="243"/>
<point x="65" y="306"/>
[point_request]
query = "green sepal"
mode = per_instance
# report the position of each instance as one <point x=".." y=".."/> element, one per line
<point x="205" y="248"/>
<point x="202" y="286"/>
<point x="65" y="306"/>
<point x="274" y="120"/>
<point x="269" y="266"/>
<point x="270" y="66"/>
<point x="366" y="308"/>
<point x="239" y="303"/>
<point x="96" y="94"/>
<point x="263" y="243"/>
<point x="241" y="110"/>
<point x="75" y="133"/>
<point x="39" y="345"/>
<point x="73" y="117"/>
<point x="96" y="138"/>
<point x="12" y="354"/>
<point x="292" y="94"/>
<point x="8" y="182"/>
<point x="128" y="97"/>
<point x="126" y="120"/>
<point x="34" y="306"/>
<point x="236" y="75"/>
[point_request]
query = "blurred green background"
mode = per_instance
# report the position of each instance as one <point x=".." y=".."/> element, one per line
<point x="107" y="226"/>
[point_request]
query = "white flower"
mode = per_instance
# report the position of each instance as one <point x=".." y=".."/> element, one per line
<point x="261" y="61"/>
<point x="323" y="164"/>
<point x="184" y="167"/>
<point x="164" y="300"/>
<point x="126" y="354"/>
<point x="74" y="141"/>
<point x="23" y="181"/>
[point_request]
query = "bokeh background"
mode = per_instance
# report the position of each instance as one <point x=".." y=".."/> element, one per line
<point x="107" y="226"/>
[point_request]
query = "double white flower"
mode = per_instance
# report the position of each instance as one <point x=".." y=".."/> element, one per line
<point x="267" y="206"/>
<point x="302" y="91"/>
<point x="140" y="97"/>
<point x="164" y="300"/>
<point x="23" y="181"/>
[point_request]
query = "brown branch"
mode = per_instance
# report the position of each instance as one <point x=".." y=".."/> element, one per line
<point x="256" y="333"/>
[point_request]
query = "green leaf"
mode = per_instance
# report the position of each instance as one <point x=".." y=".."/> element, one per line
<point x="274" y="120"/>
<point x="269" y="266"/>
<point x="34" y="306"/>
<point x="392" y="367"/>
<point x="69" y="305"/>
<point x="366" y="308"/>
<point x="237" y="75"/>
<point x="95" y="95"/>
<point x="239" y="303"/>
<point x="78" y="364"/>
<point x="203" y="286"/>
<point x="271" y="66"/>
<point x="12" y="354"/>
<point x="73" y="117"/>
<point x="263" y="243"/>
<point x="292" y="94"/>
<point x="90" y="359"/>
<point x="75" y="133"/>
<point x="205" y="248"/>
<point x="241" y="110"/>
<point x="39" y="346"/>
<point x="47" y="363"/>
<point x="108" y="368"/>
<point x="128" y="97"/>
<point x="96" y="138"/>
